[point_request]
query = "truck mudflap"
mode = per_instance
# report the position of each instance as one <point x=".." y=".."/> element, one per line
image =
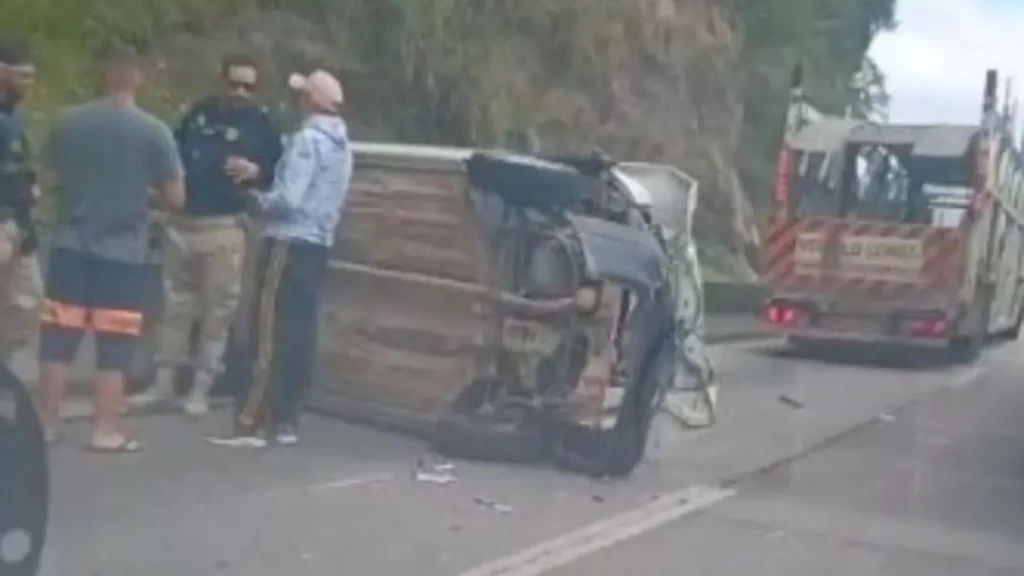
<point x="495" y="419"/>
<point x="24" y="480"/>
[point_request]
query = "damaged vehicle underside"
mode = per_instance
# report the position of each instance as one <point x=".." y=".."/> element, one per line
<point x="582" y="349"/>
<point x="513" y="307"/>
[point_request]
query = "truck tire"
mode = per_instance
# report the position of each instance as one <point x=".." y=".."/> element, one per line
<point x="964" y="349"/>
<point x="1014" y="332"/>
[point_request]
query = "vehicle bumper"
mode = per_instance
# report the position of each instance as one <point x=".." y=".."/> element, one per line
<point x="824" y="336"/>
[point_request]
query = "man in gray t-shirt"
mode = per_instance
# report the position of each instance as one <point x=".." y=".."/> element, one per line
<point x="106" y="157"/>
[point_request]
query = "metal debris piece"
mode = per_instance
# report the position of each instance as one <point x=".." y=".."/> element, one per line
<point x="493" y="505"/>
<point x="791" y="402"/>
<point x="433" y="472"/>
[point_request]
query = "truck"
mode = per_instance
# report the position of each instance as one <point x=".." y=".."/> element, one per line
<point x="896" y="233"/>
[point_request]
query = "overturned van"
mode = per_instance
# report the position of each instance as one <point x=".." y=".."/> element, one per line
<point x="511" y="307"/>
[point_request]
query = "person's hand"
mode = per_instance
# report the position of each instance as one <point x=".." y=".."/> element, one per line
<point x="252" y="198"/>
<point x="241" y="170"/>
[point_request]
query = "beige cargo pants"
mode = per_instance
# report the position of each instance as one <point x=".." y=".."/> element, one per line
<point x="21" y="293"/>
<point x="202" y="282"/>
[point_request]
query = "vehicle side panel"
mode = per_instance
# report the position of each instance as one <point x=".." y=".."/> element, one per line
<point x="405" y="318"/>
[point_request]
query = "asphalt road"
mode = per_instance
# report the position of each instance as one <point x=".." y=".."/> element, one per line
<point x="870" y="464"/>
<point x="933" y="489"/>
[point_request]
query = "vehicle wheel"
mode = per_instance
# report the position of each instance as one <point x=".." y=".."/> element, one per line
<point x="965" y="349"/>
<point x="1014" y="332"/>
<point x="24" y="481"/>
<point x="510" y="431"/>
<point x="618" y="451"/>
<point x="797" y="343"/>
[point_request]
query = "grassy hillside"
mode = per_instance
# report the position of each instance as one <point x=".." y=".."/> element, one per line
<point x="697" y="83"/>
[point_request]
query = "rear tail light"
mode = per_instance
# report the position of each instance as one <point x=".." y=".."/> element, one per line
<point x="779" y="314"/>
<point x="929" y="328"/>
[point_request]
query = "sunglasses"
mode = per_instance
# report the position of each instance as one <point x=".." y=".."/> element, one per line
<point x="247" y="86"/>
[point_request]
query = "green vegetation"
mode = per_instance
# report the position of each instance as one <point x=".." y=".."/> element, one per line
<point x="698" y="83"/>
<point x="831" y="39"/>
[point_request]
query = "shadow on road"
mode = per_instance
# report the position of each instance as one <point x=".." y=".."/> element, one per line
<point x="900" y="357"/>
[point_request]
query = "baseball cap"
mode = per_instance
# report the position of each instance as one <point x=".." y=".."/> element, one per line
<point x="322" y="88"/>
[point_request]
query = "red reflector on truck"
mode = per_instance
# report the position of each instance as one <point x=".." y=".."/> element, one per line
<point x="929" y="328"/>
<point x="777" y="314"/>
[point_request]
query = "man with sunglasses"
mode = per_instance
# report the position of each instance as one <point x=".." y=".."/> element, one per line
<point x="229" y="146"/>
<point x="20" y="279"/>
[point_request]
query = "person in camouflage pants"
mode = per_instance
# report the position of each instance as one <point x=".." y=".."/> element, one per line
<point x="21" y="285"/>
<point x="229" y="145"/>
<point x="21" y="289"/>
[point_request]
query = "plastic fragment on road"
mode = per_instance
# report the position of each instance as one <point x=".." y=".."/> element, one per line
<point x="434" y="473"/>
<point x="493" y="505"/>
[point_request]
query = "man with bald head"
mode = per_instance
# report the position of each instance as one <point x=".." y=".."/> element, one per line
<point x="109" y="160"/>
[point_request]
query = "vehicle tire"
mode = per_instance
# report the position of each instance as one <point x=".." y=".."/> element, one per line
<point x="24" y="481"/>
<point x="965" y="349"/>
<point x="797" y="343"/>
<point x="512" y="432"/>
<point x="617" y="452"/>
<point x="1014" y="332"/>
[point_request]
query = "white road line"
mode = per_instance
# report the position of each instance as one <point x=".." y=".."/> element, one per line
<point x="351" y="482"/>
<point x="572" y="546"/>
<point x="338" y="484"/>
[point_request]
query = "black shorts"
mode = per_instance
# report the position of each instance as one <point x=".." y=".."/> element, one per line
<point x="86" y="293"/>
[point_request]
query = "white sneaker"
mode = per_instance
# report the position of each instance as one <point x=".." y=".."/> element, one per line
<point x="287" y="436"/>
<point x="237" y="441"/>
<point x="155" y="394"/>
<point x="197" y="404"/>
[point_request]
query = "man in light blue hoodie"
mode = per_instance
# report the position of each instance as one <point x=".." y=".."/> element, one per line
<point x="300" y="214"/>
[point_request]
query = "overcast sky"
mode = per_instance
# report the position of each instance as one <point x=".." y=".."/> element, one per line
<point x="935" y="61"/>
